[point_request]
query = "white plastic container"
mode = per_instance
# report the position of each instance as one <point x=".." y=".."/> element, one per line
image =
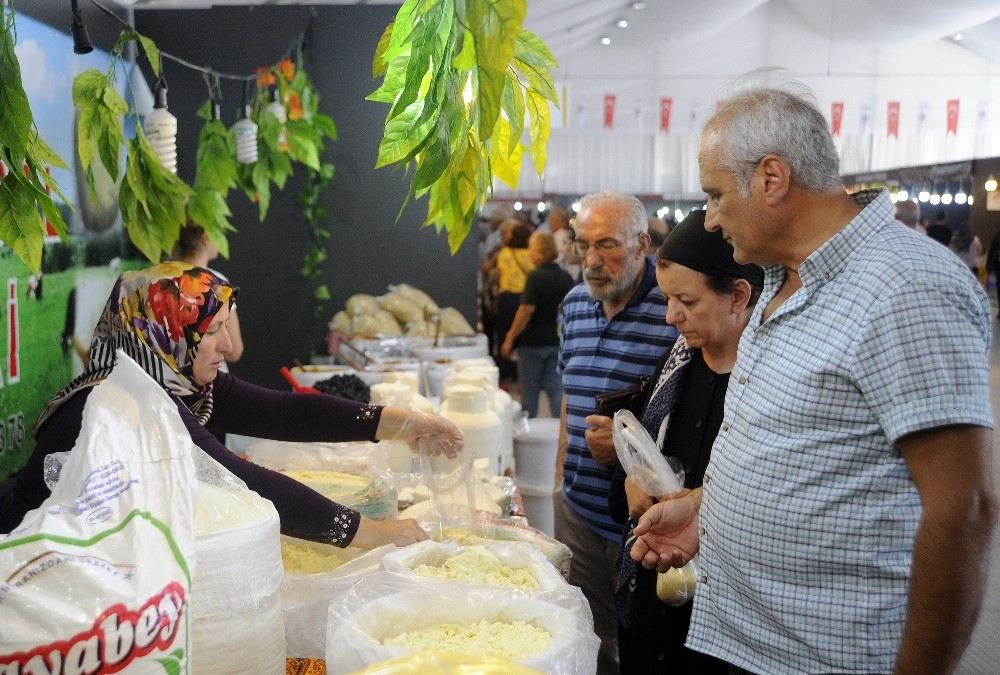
<point x="535" y="453"/>
<point x="540" y="509"/>
<point x="467" y="407"/>
<point x="474" y="371"/>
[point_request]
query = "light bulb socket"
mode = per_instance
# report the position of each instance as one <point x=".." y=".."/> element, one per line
<point x="160" y="92"/>
<point x="81" y="38"/>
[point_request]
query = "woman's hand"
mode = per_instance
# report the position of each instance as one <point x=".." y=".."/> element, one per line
<point x="375" y="533"/>
<point x="425" y="433"/>
<point x="638" y="501"/>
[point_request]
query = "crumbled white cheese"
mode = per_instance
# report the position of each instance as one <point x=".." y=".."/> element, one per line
<point x="481" y="566"/>
<point x="507" y="639"/>
<point x="303" y="559"/>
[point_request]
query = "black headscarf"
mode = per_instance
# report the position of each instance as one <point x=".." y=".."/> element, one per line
<point x="691" y="245"/>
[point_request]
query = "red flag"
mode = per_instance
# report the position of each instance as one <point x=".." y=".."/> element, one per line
<point x="665" y="105"/>
<point x="892" y="119"/>
<point x="952" y="116"/>
<point x="609" y="110"/>
<point x="836" y="117"/>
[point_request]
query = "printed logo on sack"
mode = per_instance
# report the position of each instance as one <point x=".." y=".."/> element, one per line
<point x="117" y="638"/>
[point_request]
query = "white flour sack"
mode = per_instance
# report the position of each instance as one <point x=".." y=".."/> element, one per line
<point x="98" y="578"/>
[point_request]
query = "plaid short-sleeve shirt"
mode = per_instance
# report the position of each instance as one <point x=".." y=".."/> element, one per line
<point x="809" y="513"/>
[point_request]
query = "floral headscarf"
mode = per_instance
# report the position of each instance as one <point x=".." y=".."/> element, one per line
<point x="158" y="317"/>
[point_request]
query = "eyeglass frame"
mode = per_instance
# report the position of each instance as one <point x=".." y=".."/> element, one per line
<point x="602" y="246"/>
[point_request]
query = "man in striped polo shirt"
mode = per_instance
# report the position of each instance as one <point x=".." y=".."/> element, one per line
<point x="613" y="334"/>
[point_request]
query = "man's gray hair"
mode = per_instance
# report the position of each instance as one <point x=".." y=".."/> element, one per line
<point x="633" y="212"/>
<point x="760" y="121"/>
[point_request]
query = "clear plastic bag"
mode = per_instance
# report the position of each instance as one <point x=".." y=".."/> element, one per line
<point x="642" y="459"/>
<point x="653" y="474"/>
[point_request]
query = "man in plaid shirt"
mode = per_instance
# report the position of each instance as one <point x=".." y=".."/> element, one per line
<point x="846" y="515"/>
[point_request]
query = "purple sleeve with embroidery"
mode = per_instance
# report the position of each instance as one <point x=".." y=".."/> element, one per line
<point x="244" y="408"/>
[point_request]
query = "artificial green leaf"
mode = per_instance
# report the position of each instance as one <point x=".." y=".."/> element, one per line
<point x="152" y="53"/>
<point x="530" y="49"/>
<point x="43" y="154"/>
<point x="513" y="107"/>
<point x="325" y="125"/>
<point x="379" y="64"/>
<point x="466" y="57"/>
<point x="15" y="114"/>
<point x="21" y="226"/>
<point x="113" y="100"/>
<point x="401" y="136"/>
<point x="171" y="666"/>
<point x="538" y="109"/>
<point x="538" y="79"/>
<point x="215" y="159"/>
<point x="204" y="111"/>
<point x="506" y="165"/>
<point x="321" y="293"/>
<point x="208" y="209"/>
<point x="402" y="28"/>
<point x="495" y="25"/>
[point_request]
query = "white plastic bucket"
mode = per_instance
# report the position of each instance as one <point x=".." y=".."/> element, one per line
<point x="539" y="508"/>
<point x="535" y="452"/>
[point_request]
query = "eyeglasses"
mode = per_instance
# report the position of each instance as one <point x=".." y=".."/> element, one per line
<point x="602" y="247"/>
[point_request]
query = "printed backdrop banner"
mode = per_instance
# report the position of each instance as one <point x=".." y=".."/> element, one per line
<point x="892" y="120"/>
<point x="836" y="117"/>
<point x="665" y="105"/>
<point x="952" y="116"/>
<point x="609" y="111"/>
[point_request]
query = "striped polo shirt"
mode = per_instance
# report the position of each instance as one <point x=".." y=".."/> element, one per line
<point x="809" y="513"/>
<point x="599" y="356"/>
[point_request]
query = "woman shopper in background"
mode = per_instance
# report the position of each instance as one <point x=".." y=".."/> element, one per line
<point x="534" y="329"/>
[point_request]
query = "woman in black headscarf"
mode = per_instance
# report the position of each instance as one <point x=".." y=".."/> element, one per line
<point x="709" y="300"/>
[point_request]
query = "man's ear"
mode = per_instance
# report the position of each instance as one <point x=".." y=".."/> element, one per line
<point x="644" y="241"/>
<point x="777" y="178"/>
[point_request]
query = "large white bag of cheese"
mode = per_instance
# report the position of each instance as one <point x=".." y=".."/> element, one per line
<point x="386" y="615"/>
<point x="98" y="578"/>
<point x="312" y="580"/>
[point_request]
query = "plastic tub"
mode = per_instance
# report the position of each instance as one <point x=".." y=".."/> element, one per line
<point x="535" y="452"/>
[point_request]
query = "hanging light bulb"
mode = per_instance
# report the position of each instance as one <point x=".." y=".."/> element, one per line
<point x="161" y="128"/>
<point x="902" y="195"/>
<point x="277" y="108"/>
<point x="518" y="206"/>
<point x="970" y="200"/>
<point x="991" y="183"/>
<point x="245" y="132"/>
<point x="946" y="195"/>
<point x="678" y="215"/>
<point x="960" y="196"/>
<point x="542" y="206"/>
<point x="924" y="194"/>
<point x="935" y="197"/>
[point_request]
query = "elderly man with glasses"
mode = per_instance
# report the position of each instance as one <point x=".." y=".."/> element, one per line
<point x="613" y="335"/>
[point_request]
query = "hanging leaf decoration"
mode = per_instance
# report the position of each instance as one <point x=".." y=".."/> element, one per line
<point x="25" y="183"/>
<point x="459" y="76"/>
<point x="215" y="175"/>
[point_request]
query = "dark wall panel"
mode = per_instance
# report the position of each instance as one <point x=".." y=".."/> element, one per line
<point x="368" y="249"/>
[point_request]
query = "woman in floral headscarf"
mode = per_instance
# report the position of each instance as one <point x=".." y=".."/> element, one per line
<point x="171" y="320"/>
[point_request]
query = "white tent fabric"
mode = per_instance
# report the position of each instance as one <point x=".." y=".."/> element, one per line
<point x="860" y="53"/>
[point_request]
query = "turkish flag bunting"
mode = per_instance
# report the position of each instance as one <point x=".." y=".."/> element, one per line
<point x="609" y="110"/>
<point x="665" y="105"/>
<point x="892" y="119"/>
<point x="952" y="116"/>
<point x="836" y="117"/>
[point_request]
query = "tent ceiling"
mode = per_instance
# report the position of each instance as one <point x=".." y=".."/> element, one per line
<point x="573" y="28"/>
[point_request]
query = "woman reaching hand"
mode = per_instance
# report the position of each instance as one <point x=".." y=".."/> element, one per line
<point x="172" y="320"/>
